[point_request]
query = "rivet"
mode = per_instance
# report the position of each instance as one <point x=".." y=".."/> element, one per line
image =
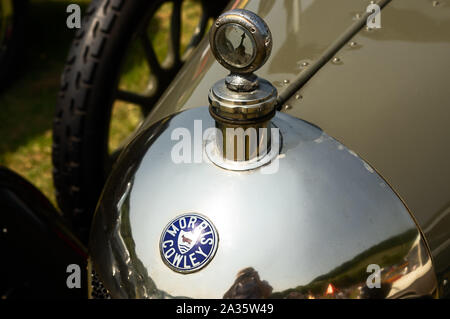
<point x="353" y="44"/>
<point x="305" y="64"/>
<point x="286" y="81"/>
<point x="287" y="107"/>
<point x="298" y="97"/>
<point x="435" y="3"/>
<point x="336" y="60"/>
<point x="358" y="16"/>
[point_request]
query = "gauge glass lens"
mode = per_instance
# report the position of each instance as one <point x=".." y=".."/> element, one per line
<point x="235" y="45"/>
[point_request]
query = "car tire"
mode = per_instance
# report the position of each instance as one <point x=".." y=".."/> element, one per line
<point x="84" y="105"/>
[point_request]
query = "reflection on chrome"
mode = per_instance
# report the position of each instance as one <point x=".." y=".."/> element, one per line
<point x="248" y="285"/>
<point x="410" y="277"/>
<point x="406" y="273"/>
<point x="308" y="231"/>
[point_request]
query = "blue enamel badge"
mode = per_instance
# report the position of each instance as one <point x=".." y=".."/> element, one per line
<point x="188" y="243"/>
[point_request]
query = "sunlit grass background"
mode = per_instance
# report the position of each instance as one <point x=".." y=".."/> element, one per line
<point x="27" y="104"/>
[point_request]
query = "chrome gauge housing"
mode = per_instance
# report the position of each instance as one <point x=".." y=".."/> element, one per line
<point x="295" y="215"/>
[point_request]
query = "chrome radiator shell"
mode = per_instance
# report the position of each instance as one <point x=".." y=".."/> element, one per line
<point x="317" y="222"/>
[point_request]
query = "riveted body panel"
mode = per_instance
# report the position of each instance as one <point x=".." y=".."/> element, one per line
<point x="388" y="100"/>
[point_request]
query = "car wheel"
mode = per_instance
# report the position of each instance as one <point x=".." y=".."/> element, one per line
<point x="112" y="30"/>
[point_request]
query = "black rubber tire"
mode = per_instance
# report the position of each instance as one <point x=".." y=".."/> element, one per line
<point x="83" y="110"/>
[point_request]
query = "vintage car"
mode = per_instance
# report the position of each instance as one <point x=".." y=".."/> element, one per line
<point x="301" y="151"/>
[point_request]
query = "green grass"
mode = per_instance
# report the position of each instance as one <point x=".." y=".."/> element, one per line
<point x="27" y="104"/>
<point x="136" y="71"/>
